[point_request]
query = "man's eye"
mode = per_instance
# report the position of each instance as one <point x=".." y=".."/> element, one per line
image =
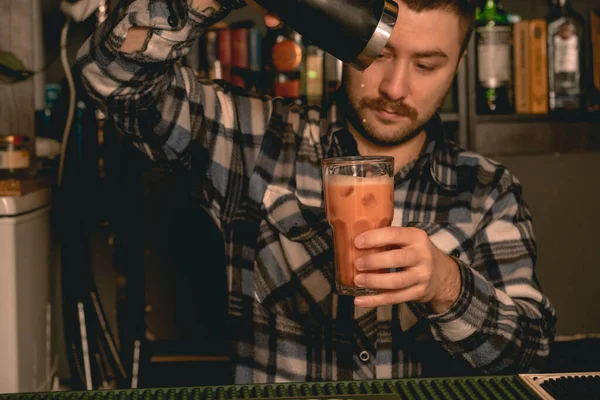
<point x="427" y="68"/>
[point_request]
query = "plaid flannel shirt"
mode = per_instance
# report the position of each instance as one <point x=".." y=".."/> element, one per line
<point x="255" y="164"/>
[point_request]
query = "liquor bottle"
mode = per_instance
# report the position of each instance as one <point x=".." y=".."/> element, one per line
<point x="239" y="54"/>
<point x="212" y="65"/>
<point x="255" y="59"/>
<point x="267" y="79"/>
<point x="593" y="62"/>
<point x="224" y="51"/>
<point x="494" y="61"/>
<point x="312" y="74"/>
<point x="286" y="61"/>
<point x="565" y="57"/>
<point x="332" y="71"/>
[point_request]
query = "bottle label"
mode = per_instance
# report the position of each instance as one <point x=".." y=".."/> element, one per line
<point x="494" y="46"/>
<point x="314" y="78"/>
<point x="566" y="46"/>
<point x="14" y="159"/>
<point x="287" y="55"/>
<point x="288" y="89"/>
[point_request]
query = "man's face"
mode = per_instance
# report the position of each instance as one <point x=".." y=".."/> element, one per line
<point x="405" y="86"/>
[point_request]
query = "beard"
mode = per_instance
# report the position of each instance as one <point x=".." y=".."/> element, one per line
<point x="386" y="133"/>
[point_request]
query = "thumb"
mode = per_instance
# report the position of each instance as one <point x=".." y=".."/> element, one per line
<point x="272" y="21"/>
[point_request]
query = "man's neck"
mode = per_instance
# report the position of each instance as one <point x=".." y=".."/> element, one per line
<point x="403" y="154"/>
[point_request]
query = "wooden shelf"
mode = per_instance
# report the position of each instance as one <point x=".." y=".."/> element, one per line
<point x="496" y="137"/>
<point x="449" y="117"/>
<point x="547" y="118"/>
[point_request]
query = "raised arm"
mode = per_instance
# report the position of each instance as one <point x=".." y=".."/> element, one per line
<point x="131" y="67"/>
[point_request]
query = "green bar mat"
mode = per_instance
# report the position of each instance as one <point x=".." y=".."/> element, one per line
<point x="485" y="388"/>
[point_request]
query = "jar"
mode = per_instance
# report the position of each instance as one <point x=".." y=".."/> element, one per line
<point x="15" y="157"/>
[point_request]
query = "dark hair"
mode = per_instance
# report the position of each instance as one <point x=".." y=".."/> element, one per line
<point x="465" y="9"/>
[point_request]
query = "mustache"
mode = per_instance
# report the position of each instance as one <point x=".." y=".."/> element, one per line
<point x="395" y="107"/>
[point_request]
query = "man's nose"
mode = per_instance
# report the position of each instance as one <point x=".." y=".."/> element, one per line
<point x="395" y="83"/>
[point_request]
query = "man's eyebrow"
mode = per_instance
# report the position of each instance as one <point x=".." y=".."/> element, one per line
<point x="430" y="54"/>
<point x="421" y="54"/>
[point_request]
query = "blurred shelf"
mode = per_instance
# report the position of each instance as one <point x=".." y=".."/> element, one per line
<point x="574" y="117"/>
<point x="449" y="116"/>
<point x="494" y="138"/>
<point x="187" y="358"/>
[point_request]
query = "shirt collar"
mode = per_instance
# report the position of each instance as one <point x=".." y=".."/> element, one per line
<point x="437" y="155"/>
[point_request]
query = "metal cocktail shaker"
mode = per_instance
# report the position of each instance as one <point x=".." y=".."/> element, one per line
<point x="354" y="31"/>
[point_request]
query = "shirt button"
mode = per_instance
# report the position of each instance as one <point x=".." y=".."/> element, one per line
<point x="364" y="356"/>
<point x="172" y="21"/>
<point x="295" y="230"/>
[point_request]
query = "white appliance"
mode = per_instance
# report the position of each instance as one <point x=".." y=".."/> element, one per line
<point x="25" y="293"/>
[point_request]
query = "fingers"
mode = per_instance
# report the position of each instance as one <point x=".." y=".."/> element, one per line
<point x="136" y="37"/>
<point x="388" y="281"/>
<point x="271" y="21"/>
<point x="398" y="258"/>
<point x="390" y="236"/>
<point x="390" y="297"/>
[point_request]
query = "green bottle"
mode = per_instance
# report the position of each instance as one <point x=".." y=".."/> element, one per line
<point x="494" y="36"/>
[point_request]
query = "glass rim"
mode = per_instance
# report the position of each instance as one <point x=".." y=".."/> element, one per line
<point x="357" y="160"/>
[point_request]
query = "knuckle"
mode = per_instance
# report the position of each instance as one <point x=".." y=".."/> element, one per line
<point x="396" y="233"/>
<point x="372" y="261"/>
<point x="398" y="281"/>
<point x="398" y="258"/>
<point x="388" y="299"/>
<point x="367" y="260"/>
<point x="416" y="231"/>
<point x="391" y="259"/>
<point x="426" y="274"/>
<point x="420" y="234"/>
<point x="368" y="280"/>
<point x="428" y="256"/>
